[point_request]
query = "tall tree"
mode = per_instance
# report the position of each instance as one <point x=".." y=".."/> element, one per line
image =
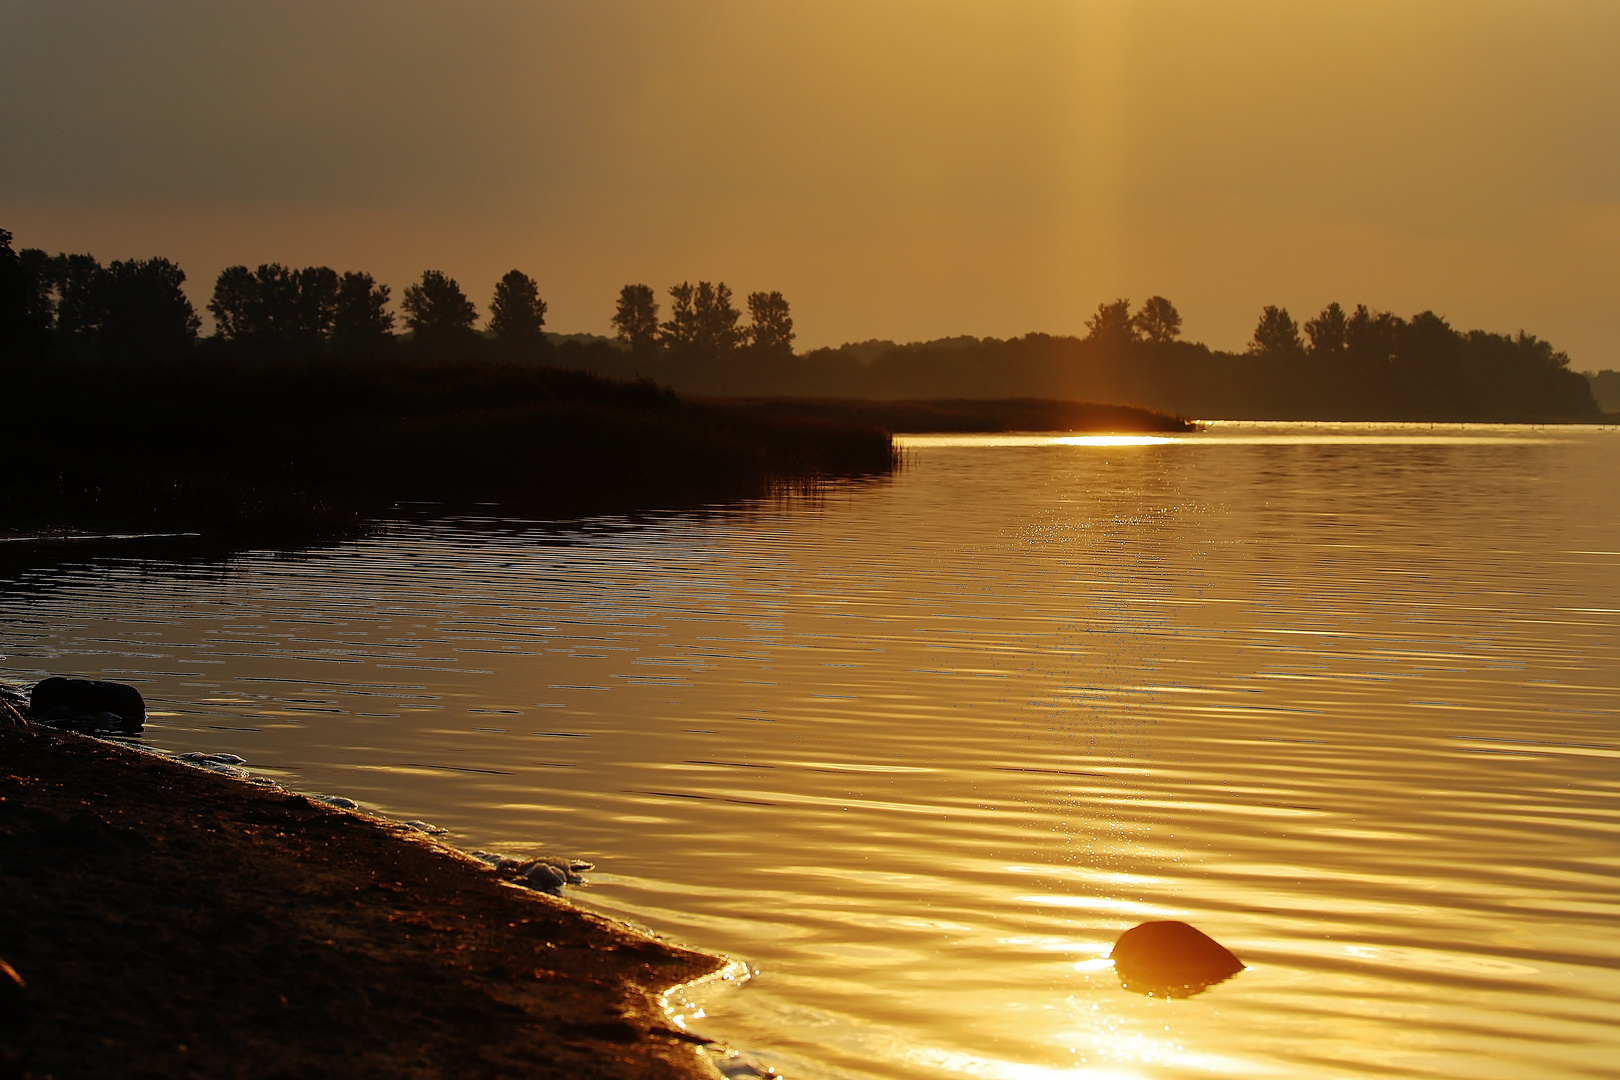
<point x="316" y="308"/>
<point x="77" y="318"/>
<point x="703" y="322"/>
<point x="1328" y="331"/>
<point x="1112" y="324"/>
<point x="1536" y="353"/>
<point x="771" y="324"/>
<point x="362" y="325"/>
<point x="635" y="323"/>
<point x="1428" y="340"/>
<point x="1276" y="334"/>
<point x="24" y="329"/>
<point x="1370" y="337"/>
<point x="145" y="314"/>
<point x="517" y="315"/>
<point x="275" y="310"/>
<point x="234" y="305"/>
<point x="440" y="315"/>
<point x="1158" y="321"/>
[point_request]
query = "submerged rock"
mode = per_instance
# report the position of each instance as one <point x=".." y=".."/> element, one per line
<point x="1171" y="958"/>
<point x="87" y="705"/>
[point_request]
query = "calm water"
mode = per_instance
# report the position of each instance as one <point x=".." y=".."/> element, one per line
<point x="1347" y="699"/>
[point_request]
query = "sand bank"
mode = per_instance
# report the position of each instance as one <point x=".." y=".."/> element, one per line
<point x="173" y="922"/>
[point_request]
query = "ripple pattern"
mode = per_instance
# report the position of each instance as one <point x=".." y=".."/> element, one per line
<point x="919" y="750"/>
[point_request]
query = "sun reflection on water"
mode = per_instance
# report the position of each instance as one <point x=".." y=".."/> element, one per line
<point x="935" y="744"/>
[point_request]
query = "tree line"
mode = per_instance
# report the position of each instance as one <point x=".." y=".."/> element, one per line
<point x="703" y="323"/>
<point x="1364" y="336"/>
<point x="1339" y="364"/>
<point x="1361" y="364"/>
<point x="71" y="306"/>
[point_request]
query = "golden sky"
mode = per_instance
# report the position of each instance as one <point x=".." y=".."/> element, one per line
<point x="899" y="168"/>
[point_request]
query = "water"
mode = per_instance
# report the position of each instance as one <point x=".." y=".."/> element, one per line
<point x="1347" y="699"/>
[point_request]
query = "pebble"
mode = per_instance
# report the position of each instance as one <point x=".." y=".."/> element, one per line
<point x="213" y="759"/>
<point x="424" y="827"/>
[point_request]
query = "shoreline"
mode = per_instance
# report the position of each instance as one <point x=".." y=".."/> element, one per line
<point x="169" y="920"/>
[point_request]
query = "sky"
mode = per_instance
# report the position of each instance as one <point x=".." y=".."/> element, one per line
<point x="902" y="169"/>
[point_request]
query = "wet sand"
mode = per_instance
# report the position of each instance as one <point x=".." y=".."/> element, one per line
<point x="171" y="922"/>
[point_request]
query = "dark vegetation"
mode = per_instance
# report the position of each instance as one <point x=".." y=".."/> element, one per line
<point x="1360" y="365"/>
<point x="304" y="413"/>
<point x="1606" y="389"/>
<point x="311" y="447"/>
<point x="304" y="410"/>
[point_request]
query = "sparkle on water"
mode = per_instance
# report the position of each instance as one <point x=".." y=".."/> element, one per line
<point x="1342" y="697"/>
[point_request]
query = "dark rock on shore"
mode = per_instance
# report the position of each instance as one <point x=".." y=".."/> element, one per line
<point x="547" y="875"/>
<point x="87" y="705"/>
<point x="1171" y="958"/>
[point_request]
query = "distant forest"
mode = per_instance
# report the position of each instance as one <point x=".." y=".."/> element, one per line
<point x="1359" y="364"/>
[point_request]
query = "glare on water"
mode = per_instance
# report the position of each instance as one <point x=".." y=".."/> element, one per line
<point x="1345" y="698"/>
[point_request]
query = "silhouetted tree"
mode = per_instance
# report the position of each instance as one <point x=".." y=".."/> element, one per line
<point x="703" y="322"/>
<point x="1158" y="321"/>
<point x="276" y="311"/>
<point x="1370" y="337"/>
<point x="1328" y="331"/>
<point x="1537" y="353"/>
<point x="1427" y="340"/>
<point x="143" y="309"/>
<point x="1277" y="334"/>
<point x="362" y="325"/>
<point x="39" y="275"/>
<point x="77" y="319"/>
<point x="1112" y="325"/>
<point x="24" y="325"/>
<point x="771" y="328"/>
<point x="317" y="307"/>
<point x="440" y="314"/>
<point x="635" y="323"/>
<point x="235" y="304"/>
<point x="517" y="314"/>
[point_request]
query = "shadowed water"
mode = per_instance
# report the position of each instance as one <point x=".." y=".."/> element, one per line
<point x="1345" y="698"/>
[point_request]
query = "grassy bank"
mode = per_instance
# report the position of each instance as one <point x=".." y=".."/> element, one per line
<point x="171" y="922"/>
<point x="306" y="448"/>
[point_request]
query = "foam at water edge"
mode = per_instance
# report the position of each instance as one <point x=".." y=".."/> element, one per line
<point x="679" y="1010"/>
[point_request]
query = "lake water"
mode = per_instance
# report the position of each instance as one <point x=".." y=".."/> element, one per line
<point x="1347" y="698"/>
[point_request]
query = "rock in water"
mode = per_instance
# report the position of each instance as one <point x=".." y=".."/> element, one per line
<point x="85" y="704"/>
<point x="1171" y="958"/>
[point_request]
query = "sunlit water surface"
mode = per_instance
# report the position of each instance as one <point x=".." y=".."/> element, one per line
<point x="1346" y="698"/>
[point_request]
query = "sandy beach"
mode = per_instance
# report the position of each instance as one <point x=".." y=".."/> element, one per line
<point x="168" y="921"/>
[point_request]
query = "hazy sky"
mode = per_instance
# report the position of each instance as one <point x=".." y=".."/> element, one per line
<point x="899" y="168"/>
